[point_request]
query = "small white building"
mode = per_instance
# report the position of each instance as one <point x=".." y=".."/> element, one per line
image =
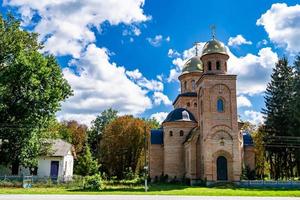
<point x="58" y="163"/>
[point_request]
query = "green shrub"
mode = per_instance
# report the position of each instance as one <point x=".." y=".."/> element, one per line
<point x="93" y="182"/>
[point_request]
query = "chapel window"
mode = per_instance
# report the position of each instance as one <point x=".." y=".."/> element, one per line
<point x="181" y="133"/>
<point x="220" y="105"/>
<point x="218" y="64"/>
<point x="209" y="66"/>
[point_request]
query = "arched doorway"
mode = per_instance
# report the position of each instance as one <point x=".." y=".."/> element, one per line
<point x="222" y="174"/>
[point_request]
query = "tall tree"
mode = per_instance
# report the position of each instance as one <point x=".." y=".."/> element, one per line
<point x="96" y="131"/>
<point x="295" y="111"/>
<point x="122" y="145"/>
<point x="32" y="88"/>
<point x="277" y="111"/>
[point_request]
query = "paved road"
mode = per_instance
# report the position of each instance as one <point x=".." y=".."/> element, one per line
<point x="132" y="197"/>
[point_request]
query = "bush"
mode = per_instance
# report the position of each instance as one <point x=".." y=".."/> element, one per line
<point x="93" y="182"/>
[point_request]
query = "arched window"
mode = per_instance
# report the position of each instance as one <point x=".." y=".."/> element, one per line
<point x="181" y="133"/>
<point x="195" y="105"/>
<point x="171" y="133"/>
<point x="220" y="105"/>
<point x="185" y="115"/>
<point x="209" y="66"/>
<point x="225" y="66"/>
<point x="193" y="85"/>
<point x="218" y="64"/>
<point x="188" y="104"/>
<point x="185" y="85"/>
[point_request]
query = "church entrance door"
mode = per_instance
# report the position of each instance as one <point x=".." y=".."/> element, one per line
<point x="222" y="169"/>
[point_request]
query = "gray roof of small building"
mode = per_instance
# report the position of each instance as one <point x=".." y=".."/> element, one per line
<point x="59" y="147"/>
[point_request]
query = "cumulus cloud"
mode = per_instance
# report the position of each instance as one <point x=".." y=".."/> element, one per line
<point x="159" y="98"/>
<point x="237" y="41"/>
<point x="243" y="101"/>
<point x="173" y="53"/>
<point x="253" y="71"/>
<point x="100" y="85"/>
<point x="157" y="40"/>
<point x="159" y="116"/>
<point x="282" y="23"/>
<point x="150" y="85"/>
<point x="65" y="26"/>
<point x="254" y="117"/>
<point x="68" y="28"/>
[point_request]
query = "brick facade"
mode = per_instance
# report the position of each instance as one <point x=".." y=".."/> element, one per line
<point x="195" y="149"/>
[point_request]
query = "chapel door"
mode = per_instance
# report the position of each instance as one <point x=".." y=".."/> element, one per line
<point x="222" y="169"/>
<point x="54" y="169"/>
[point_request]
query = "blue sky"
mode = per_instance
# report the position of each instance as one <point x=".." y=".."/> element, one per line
<point x="128" y="54"/>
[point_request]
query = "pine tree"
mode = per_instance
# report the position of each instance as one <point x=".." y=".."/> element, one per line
<point x="86" y="165"/>
<point x="295" y="111"/>
<point x="277" y="111"/>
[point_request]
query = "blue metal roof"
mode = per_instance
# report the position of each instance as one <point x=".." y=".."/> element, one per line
<point x="247" y="138"/>
<point x="176" y="115"/>
<point x="157" y="136"/>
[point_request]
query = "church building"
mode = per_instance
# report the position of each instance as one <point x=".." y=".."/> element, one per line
<point x="201" y="138"/>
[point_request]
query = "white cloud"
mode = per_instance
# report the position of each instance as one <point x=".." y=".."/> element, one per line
<point x="65" y="26"/>
<point x="100" y="85"/>
<point x="68" y="28"/>
<point x="157" y="40"/>
<point x="237" y="41"/>
<point x="282" y="23"/>
<point x="243" y="101"/>
<point x="254" y="117"/>
<point x="150" y="85"/>
<point x="253" y="71"/>
<point x="159" y="116"/>
<point x="173" y="53"/>
<point x="159" y="98"/>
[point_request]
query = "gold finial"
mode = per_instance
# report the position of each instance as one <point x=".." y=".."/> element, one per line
<point x="213" y="31"/>
<point x="196" y="44"/>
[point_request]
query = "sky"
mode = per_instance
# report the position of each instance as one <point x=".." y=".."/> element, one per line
<point x="127" y="55"/>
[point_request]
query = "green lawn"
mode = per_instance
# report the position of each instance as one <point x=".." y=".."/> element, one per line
<point x="160" y="190"/>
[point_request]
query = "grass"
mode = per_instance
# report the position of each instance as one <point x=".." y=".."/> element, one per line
<point x="160" y="189"/>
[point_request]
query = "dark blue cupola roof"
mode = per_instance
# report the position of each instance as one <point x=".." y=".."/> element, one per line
<point x="180" y="114"/>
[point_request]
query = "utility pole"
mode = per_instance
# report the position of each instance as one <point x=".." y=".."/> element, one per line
<point x="146" y="164"/>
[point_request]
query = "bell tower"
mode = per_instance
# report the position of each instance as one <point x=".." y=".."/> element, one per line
<point x="221" y="140"/>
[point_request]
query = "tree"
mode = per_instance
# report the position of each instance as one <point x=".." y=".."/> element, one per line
<point x="277" y="111"/>
<point x="122" y="146"/>
<point x="294" y="129"/>
<point x="32" y="88"/>
<point x="86" y="165"/>
<point x="74" y="133"/>
<point x="97" y="128"/>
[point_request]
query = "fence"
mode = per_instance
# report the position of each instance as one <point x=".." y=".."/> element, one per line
<point x="273" y="184"/>
<point x="28" y="181"/>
